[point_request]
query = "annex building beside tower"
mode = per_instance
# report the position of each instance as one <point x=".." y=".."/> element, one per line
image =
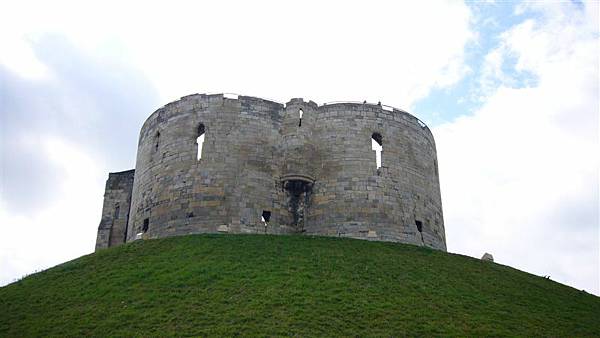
<point x="213" y="163"/>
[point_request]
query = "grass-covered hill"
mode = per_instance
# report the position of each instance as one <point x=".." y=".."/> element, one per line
<point x="255" y="285"/>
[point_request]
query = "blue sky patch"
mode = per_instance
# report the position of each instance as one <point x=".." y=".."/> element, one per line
<point x="489" y="21"/>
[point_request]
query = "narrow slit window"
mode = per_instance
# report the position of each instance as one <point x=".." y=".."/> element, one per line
<point x="377" y="146"/>
<point x="156" y="141"/>
<point x="146" y="225"/>
<point x="300" y="113"/>
<point x="117" y="211"/>
<point x="200" y="141"/>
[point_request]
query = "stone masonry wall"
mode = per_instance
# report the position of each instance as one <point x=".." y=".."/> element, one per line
<point x="353" y="198"/>
<point x="115" y="211"/>
<point x="316" y="175"/>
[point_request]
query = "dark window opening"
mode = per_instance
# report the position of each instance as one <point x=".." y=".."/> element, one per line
<point x="300" y="113"/>
<point x="378" y="138"/>
<point x="146" y="225"/>
<point x="435" y="167"/>
<point x="266" y="216"/>
<point x="157" y="140"/>
<point x="117" y="211"/>
<point x="419" y="225"/>
<point x="200" y="141"/>
<point x="377" y="146"/>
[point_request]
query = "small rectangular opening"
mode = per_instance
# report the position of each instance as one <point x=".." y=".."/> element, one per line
<point x="266" y="216"/>
<point x="419" y="225"/>
<point x="146" y="225"/>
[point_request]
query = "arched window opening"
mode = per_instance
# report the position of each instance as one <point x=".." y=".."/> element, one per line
<point x="146" y="225"/>
<point x="200" y="141"/>
<point x="117" y="211"/>
<point x="300" y="113"/>
<point x="377" y="146"/>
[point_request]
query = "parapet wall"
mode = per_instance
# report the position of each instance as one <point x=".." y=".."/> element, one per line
<point x="315" y="175"/>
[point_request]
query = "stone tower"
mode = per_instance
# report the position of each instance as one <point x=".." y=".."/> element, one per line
<point x="209" y="163"/>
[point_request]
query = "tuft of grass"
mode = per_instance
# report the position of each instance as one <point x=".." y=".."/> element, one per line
<point x="261" y="285"/>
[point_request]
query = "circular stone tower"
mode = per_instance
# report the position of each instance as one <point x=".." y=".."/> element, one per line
<point x="209" y="163"/>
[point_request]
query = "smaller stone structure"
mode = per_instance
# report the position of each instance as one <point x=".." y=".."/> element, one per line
<point x="115" y="211"/>
<point x="487" y="257"/>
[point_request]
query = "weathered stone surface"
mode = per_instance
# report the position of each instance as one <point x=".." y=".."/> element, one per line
<point x="487" y="257"/>
<point x="316" y="176"/>
<point x="115" y="211"/>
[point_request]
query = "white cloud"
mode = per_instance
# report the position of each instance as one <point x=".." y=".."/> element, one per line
<point x="60" y="134"/>
<point x="520" y="177"/>
<point x="21" y="57"/>
<point x="389" y="51"/>
<point x="63" y="229"/>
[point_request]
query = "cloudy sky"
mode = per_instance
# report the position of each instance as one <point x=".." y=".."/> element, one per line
<point x="510" y="91"/>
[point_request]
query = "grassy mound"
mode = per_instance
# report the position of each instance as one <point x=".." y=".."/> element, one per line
<point x="289" y="285"/>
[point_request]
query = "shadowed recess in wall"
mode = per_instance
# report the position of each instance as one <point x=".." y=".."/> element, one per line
<point x="298" y="201"/>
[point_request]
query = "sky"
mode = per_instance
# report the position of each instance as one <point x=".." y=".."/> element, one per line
<point x="510" y="91"/>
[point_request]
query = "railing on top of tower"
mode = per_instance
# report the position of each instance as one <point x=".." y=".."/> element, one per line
<point x="390" y="108"/>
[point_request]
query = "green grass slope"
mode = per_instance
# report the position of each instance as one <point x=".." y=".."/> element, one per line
<point x="224" y="285"/>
